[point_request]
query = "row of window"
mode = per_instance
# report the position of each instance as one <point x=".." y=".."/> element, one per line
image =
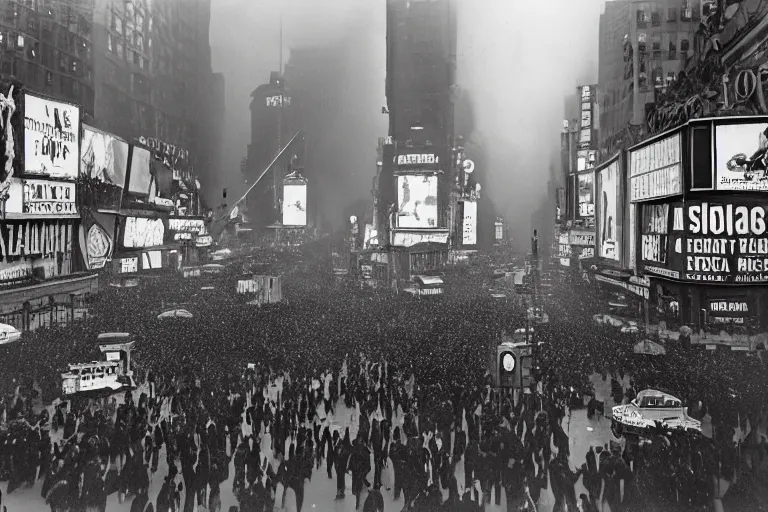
<point x="116" y="46"/>
<point x="689" y="11"/>
<point x="76" y="20"/>
<point x="49" y="81"/>
<point x="659" y="51"/>
<point x="49" y="56"/>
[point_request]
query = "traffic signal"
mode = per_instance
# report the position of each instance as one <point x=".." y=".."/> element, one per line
<point x="506" y="360"/>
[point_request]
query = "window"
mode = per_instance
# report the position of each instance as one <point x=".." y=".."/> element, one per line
<point x="129" y="36"/>
<point x="672" y="50"/>
<point x="695" y="10"/>
<point x="656" y="48"/>
<point x="62" y="63"/>
<point x="139" y="21"/>
<point x="670" y="77"/>
<point x="655" y="17"/>
<point x="120" y="50"/>
<point x="20" y="42"/>
<point x="73" y="66"/>
<point x="2" y="39"/>
<point x="48" y="78"/>
<point x="76" y="88"/>
<point x="686" y="11"/>
<point x="641" y="21"/>
<point x="145" y="64"/>
<point x="113" y="21"/>
<point x="31" y="24"/>
<point x="136" y="58"/>
<point x="119" y="26"/>
<point x="140" y="42"/>
<point x="671" y="14"/>
<point x="32" y="51"/>
<point x="641" y="39"/>
<point x="684" y="46"/>
<point x="109" y="42"/>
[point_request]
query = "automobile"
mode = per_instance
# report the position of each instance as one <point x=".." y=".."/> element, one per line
<point x="634" y="419"/>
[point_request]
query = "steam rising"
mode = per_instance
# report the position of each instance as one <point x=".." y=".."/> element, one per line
<point x="516" y="60"/>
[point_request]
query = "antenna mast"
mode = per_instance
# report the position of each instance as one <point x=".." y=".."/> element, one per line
<point x="281" y="46"/>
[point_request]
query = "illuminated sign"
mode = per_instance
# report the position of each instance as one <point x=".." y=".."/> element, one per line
<point x="129" y="265"/>
<point x="585" y="238"/>
<point x="469" y="225"/>
<point x="416" y="159"/>
<point x="182" y="236"/>
<point x="417" y="201"/>
<point x="586" y="195"/>
<point x="187" y="225"/>
<point x="740" y="156"/>
<point x="204" y="241"/>
<point x="728" y="306"/>
<point x="586" y="159"/>
<point x="141" y="232"/>
<point x="278" y="101"/>
<point x="608" y="212"/>
<point x="726" y="242"/>
<point x="51" y="137"/>
<point x="295" y="205"/>
<point x="656" y="170"/>
<point x="49" y="197"/>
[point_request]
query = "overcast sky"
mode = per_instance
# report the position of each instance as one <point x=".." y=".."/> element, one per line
<point x="517" y="59"/>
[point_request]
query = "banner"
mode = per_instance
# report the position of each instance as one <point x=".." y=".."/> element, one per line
<point x="49" y="197"/>
<point x="103" y="159"/>
<point x="741" y="162"/>
<point x="140" y="232"/>
<point x="608" y="242"/>
<point x="97" y="238"/>
<point x="660" y="239"/>
<point x="469" y="223"/>
<point x="51" y="137"/>
<point x="656" y="170"/>
<point x="35" y="248"/>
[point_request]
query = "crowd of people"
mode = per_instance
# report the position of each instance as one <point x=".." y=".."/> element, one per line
<point x="253" y="396"/>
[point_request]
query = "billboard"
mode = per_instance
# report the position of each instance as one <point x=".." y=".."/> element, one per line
<point x="725" y="241"/>
<point x="656" y="170"/>
<point x="139" y="178"/>
<point x="469" y="224"/>
<point x="51" y="138"/>
<point x="140" y="232"/>
<point x="741" y="162"/>
<point x="609" y="223"/>
<point x="49" y="197"/>
<point x="417" y="201"/>
<point x="586" y="159"/>
<point x="586" y="123"/>
<point x="295" y="204"/>
<point x="660" y="240"/>
<point x="586" y="193"/>
<point x="103" y="159"/>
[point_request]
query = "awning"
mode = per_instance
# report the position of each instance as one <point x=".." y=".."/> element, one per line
<point x="72" y="285"/>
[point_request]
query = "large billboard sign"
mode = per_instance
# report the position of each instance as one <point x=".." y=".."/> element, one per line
<point x="741" y="156"/>
<point x="608" y="212"/>
<point x="295" y="204"/>
<point x="725" y="241"/>
<point x="104" y="159"/>
<point x="51" y="138"/>
<point x="656" y="170"/>
<point x="140" y="232"/>
<point x="586" y="191"/>
<point x="417" y="201"/>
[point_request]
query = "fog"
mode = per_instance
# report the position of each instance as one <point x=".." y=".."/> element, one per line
<point x="516" y="60"/>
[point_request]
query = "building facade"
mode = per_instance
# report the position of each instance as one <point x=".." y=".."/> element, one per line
<point x="48" y="46"/>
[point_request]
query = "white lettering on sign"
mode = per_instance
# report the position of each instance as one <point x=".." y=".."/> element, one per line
<point x="167" y="151"/>
<point x="586" y="93"/>
<point x="655" y="248"/>
<point x="187" y="225"/>
<point x="416" y="159"/>
<point x="726" y="219"/>
<point x="726" y="319"/>
<point x="279" y="101"/>
<point x="35" y="239"/>
<point x="49" y="197"/>
<point x="656" y="170"/>
<point x="182" y="236"/>
<point x="16" y="271"/>
<point x="204" y="241"/>
<point x="129" y="265"/>
<point x="664" y="272"/>
<point x="581" y="238"/>
<point x="142" y="232"/>
<point x="726" y="306"/>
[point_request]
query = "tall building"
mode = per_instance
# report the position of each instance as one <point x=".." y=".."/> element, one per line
<point x="643" y="46"/>
<point x="47" y="46"/>
<point x="421" y="68"/>
<point x="152" y="69"/>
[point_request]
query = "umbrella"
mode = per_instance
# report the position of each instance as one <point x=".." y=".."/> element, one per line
<point x="175" y="313"/>
<point x="8" y="334"/>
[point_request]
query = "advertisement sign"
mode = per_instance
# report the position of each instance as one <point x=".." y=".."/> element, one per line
<point x="581" y="237"/>
<point x="417" y="159"/>
<point x="139" y="180"/>
<point x="469" y="223"/>
<point x="608" y="193"/>
<point x="35" y="248"/>
<point x="128" y="265"/>
<point x="725" y="241"/>
<point x="586" y="159"/>
<point x="741" y="162"/>
<point x="586" y="195"/>
<point x="656" y="170"/>
<point x="140" y="232"/>
<point x="654" y="233"/>
<point x="183" y="225"/>
<point x="563" y="246"/>
<point x="417" y="201"/>
<point x="104" y="159"/>
<point x="49" y="197"/>
<point x="204" y="241"/>
<point x="97" y="239"/>
<point x="295" y="204"/>
<point x="51" y="138"/>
